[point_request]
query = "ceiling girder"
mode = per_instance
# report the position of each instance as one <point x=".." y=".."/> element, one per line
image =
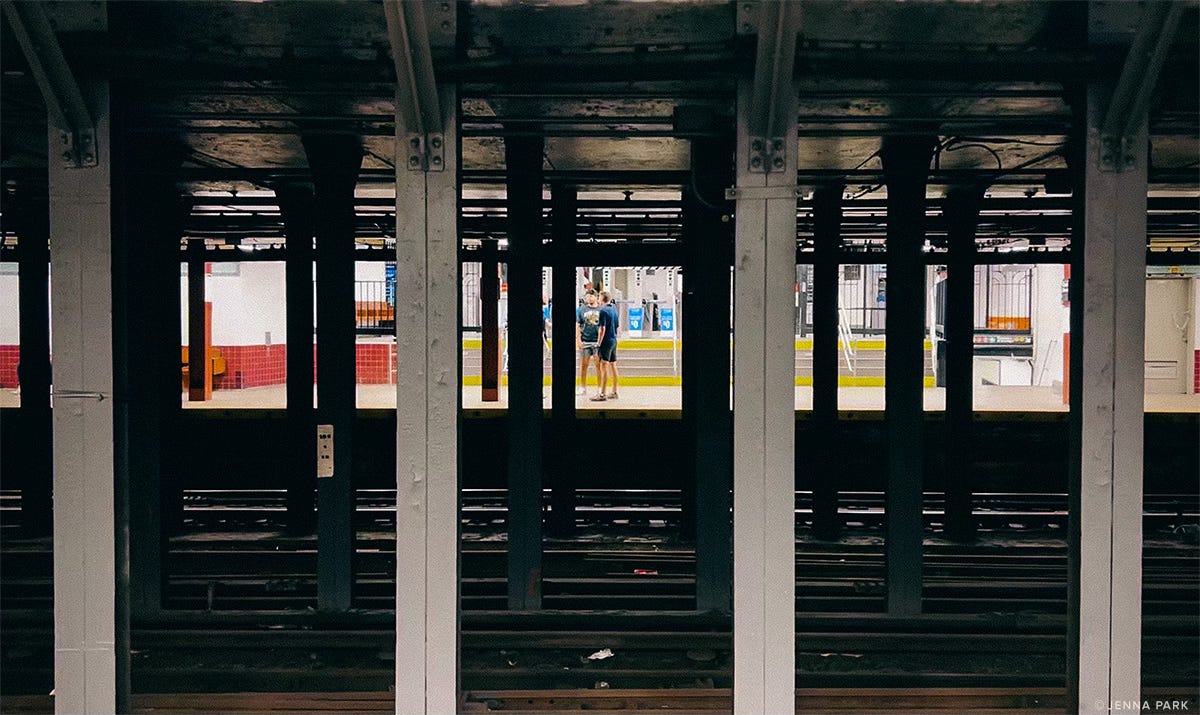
<point x="770" y="102"/>
<point x="1128" y="108"/>
<point x="416" y="89"/>
<point x="65" y="104"/>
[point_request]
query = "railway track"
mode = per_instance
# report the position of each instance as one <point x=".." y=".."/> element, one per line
<point x="701" y="700"/>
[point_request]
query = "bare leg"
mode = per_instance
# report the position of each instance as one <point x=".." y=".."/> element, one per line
<point x="583" y="366"/>
<point x="603" y="374"/>
<point x="612" y="370"/>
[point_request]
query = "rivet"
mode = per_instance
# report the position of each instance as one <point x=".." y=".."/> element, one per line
<point x="446" y="25"/>
<point x="777" y="162"/>
<point x="756" y="162"/>
<point x="415" y="142"/>
<point x="756" y="145"/>
<point x="66" y="156"/>
<point x="436" y="160"/>
<point x="436" y="143"/>
<point x="414" y="161"/>
<point x="778" y="144"/>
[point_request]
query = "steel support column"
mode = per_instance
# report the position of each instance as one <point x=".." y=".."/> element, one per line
<point x="489" y="318"/>
<point x="148" y="215"/>
<point x="199" y="326"/>
<point x="30" y="216"/>
<point x="296" y="207"/>
<point x="429" y="395"/>
<point x="523" y="159"/>
<point x="335" y="160"/>
<point x="827" y="240"/>
<point x="707" y="422"/>
<point x="562" y="399"/>
<point x="1107" y="529"/>
<point x="84" y="538"/>
<point x="764" y="543"/>
<point x="905" y="166"/>
<point x="962" y="217"/>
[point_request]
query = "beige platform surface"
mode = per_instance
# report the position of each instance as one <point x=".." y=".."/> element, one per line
<point x="988" y="398"/>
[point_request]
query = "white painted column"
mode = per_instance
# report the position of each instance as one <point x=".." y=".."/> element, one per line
<point x="427" y="399"/>
<point x="1113" y="349"/>
<point x="764" y="546"/>
<point x="84" y="547"/>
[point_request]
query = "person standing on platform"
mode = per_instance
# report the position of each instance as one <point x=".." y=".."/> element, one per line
<point x="587" y="339"/>
<point x="608" y="347"/>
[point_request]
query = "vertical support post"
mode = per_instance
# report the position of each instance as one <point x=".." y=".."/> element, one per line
<point x="335" y="160"/>
<point x="149" y="215"/>
<point x="428" y="390"/>
<point x="31" y="216"/>
<point x="199" y="327"/>
<point x="562" y="361"/>
<point x="296" y="206"/>
<point x="962" y="217"/>
<point x="764" y="358"/>
<point x="489" y="318"/>
<point x="84" y="538"/>
<point x="523" y="159"/>
<point x="827" y="240"/>
<point x="707" y="422"/>
<point x="906" y="168"/>
<point x="1108" y="531"/>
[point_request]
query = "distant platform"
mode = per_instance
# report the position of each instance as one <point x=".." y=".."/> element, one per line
<point x="988" y="398"/>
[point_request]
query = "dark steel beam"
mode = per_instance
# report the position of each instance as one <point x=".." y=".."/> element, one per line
<point x="564" y="461"/>
<point x="335" y="161"/>
<point x="299" y="219"/>
<point x="199" y="327"/>
<point x="489" y="297"/>
<point x="29" y="213"/>
<point x="906" y="165"/>
<point x="827" y="217"/>
<point x="962" y="214"/>
<point x="707" y="421"/>
<point x="523" y="159"/>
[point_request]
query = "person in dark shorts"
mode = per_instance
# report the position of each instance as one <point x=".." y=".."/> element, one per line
<point x="608" y="347"/>
<point x="587" y="339"/>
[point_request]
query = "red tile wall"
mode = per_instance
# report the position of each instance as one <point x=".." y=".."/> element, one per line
<point x="258" y="365"/>
<point x="374" y="363"/>
<point x="10" y="355"/>
<point x="252" y="366"/>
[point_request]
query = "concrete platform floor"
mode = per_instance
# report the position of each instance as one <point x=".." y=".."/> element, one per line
<point x="988" y="398"/>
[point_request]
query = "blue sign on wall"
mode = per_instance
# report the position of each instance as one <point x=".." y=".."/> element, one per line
<point x="635" y="318"/>
<point x="666" y="318"/>
<point x="389" y="283"/>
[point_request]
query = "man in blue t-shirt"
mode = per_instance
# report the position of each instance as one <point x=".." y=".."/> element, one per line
<point x="587" y="339"/>
<point x="608" y="347"/>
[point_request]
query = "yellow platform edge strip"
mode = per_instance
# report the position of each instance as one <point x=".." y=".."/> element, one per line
<point x="869" y="345"/>
<point x="667" y="381"/>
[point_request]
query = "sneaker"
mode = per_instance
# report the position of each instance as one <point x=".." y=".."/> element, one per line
<point x="598" y="397"/>
<point x="613" y="396"/>
<point x="580" y="391"/>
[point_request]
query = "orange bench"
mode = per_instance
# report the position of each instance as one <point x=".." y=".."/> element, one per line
<point x="218" y="364"/>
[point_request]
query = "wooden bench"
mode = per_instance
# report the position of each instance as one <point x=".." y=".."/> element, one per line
<point x="214" y="355"/>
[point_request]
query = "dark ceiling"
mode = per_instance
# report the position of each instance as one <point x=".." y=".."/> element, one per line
<point x="239" y="82"/>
